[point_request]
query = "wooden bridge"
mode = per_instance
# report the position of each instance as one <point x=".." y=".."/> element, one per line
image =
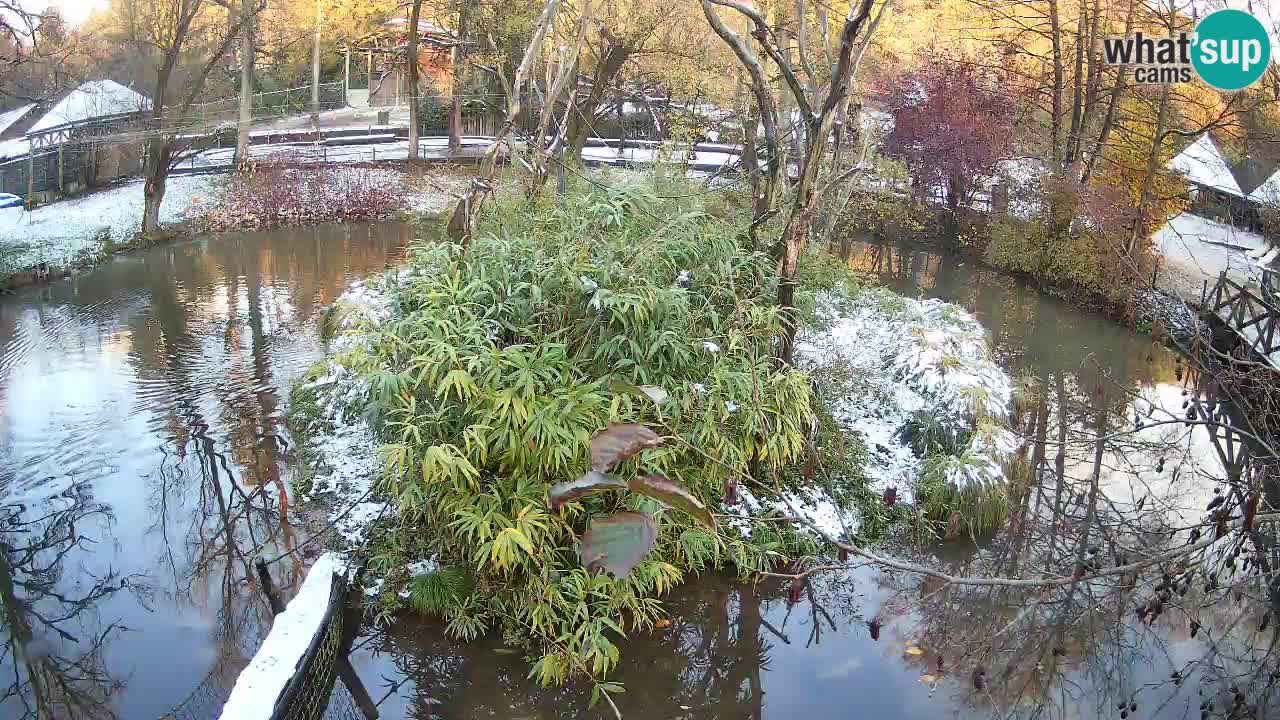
<point x="1252" y="312"/>
<point x="1236" y="389"/>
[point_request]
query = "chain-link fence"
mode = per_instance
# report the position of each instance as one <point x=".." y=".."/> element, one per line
<point x="307" y="695"/>
<point x="268" y="105"/>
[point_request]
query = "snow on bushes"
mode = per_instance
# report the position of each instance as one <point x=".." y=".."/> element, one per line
<point x="919" y="385"/>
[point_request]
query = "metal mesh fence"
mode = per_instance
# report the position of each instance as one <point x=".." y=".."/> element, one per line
<point x="307" y="695"/>
<point x="81" y="164"/>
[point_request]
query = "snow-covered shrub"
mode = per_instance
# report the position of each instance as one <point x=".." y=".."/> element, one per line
<point x="931" y="404"/>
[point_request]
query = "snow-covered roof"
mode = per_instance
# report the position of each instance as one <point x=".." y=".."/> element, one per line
<point x="1268" y="193"/>
<point x="10" y="117"/>
<point x="1203" y="164"/>
<point x="95" y="99"/>
<point x="16" y="147"/>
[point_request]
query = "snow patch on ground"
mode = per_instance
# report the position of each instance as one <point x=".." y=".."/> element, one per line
<point x="258" y="686"/>
<point x="1197" y="250"/>
<point x="346" y="463"/>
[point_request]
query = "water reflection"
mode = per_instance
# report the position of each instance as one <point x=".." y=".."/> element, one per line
<point x="145" y="464"/>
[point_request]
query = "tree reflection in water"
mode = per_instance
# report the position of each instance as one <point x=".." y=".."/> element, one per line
<point x="155" y="386"/>
<point x="53" y="638"/>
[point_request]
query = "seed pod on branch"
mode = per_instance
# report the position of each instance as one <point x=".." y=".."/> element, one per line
<point x="796" y="591"/>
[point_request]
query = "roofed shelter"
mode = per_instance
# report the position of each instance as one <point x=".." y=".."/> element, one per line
<point x="384" y="81"/>
<point x="1215" y="192"/>
<point x="79" y="139"/>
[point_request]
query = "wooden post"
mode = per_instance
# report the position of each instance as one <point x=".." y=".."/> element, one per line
<point x="268" y="588"/>
<point x="61" y="184"/>
<point x="346" y="74"/>
<point x="31" y="177"/>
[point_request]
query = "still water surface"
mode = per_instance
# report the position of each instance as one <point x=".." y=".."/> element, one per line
<point x="143" y="464"/>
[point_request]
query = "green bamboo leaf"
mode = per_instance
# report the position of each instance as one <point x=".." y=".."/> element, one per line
<point x="594" y="481"/>
<point x="619" y="442"/>
<point x="673" y="495"/>
<point x="618" y="543"/>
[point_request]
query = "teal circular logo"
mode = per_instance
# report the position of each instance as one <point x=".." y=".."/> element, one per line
<point x="1232" y="49"/>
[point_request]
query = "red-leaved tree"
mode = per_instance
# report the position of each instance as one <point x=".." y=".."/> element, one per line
<point x="950" y="128"/>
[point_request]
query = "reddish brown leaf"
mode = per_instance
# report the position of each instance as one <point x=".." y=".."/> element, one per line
<point x="953" y="526"/>
<point x="592" y="482"/>
<point x="673" y="495"/>
<point x="619" y="442"/>
<point x="795" y="593"/>
<point x="1250" y="510"/>
<point x="618" y="543"/>
<point x="890" y="496"/>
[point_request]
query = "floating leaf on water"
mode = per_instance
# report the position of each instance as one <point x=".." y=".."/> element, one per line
<point x="593" y="481"/>
<point x="913" y="650"/>
<point x="674" y="495"/>
<point x="619" y="442"/>
<point x="928" y="679"/>
<point x="663" y="623"/>
<point x="618" y="543"/>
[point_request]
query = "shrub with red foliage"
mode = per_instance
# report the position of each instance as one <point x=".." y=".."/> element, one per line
<point x="287" y="193"/>
<point x="950" y="129"/>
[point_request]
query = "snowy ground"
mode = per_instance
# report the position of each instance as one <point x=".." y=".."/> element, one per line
<point x="1197" y="250"/>
<point x="77" y="230"/>
<point x="386" y="147"/>
<point x="345" y="460"/>
<point x="904" y="357"/>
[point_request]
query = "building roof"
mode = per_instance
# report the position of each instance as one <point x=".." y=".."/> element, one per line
<point x="1202" y="163"/>
<point x="1268" y="193"/>
<point x="9" y="118"/>
<point x="92" y="101"/>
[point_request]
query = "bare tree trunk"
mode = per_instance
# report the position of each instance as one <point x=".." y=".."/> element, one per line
<point x="315" y="74"/>
<point x="159" y="153"/>
<point x="613" y="57"/>
<point x="411" y="70"/>
<point x="1055" y="122"/>
<point x="246" y="86"/>
<point x="1138" y="231"/>
<point x="461" y="226"/>
<point x="459" y="64"/>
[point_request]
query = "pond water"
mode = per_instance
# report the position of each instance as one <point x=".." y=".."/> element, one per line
<point x="143" y="465"/>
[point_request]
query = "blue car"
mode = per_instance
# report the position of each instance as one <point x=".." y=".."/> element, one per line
<point x="12" y="213"/>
